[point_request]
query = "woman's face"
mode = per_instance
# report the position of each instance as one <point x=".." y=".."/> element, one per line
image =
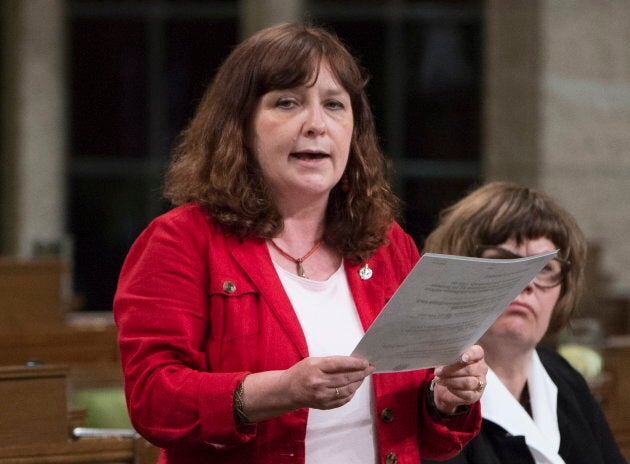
<point x="302" y="138"/>
<point x="526" y="319"/>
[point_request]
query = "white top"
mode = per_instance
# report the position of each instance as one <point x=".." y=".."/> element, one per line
<point x="541" y="432"/>
<point x="331" y="325"/>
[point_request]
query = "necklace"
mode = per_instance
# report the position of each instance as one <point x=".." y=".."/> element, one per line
<point x="298" y="261"/>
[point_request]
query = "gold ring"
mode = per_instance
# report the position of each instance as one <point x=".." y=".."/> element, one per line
<point x="480" y="386"/>
<point x="337" y="392"/>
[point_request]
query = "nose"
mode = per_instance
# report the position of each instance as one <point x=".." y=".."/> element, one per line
<point x="315" y="123"/>
<point x="529" y="287"/>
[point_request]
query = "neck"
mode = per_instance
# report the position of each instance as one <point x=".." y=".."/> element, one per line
<point x="302" y="228"/>
<point x="512" y="367"/>
<point x="302" y="212"/>
<point x="302" y="231"/>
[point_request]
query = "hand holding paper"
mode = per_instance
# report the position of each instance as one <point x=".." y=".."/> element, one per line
<point x="444" y="306"/>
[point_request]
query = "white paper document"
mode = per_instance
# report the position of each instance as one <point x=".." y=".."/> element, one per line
<point x="442" y="307"/>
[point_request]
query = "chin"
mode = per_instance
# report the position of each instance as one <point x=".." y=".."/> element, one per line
<point x="510" y="332"/>
<point x="507" y="344"/>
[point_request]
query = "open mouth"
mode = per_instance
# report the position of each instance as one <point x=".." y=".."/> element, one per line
<point x="309" y="156"/>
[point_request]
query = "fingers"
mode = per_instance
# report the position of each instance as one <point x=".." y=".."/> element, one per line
<point x="344" y="373"/>
<point x="471" y="362"/>
<point x="472" y="354"/>
<point x="462" y="382"/>
<point x="336" y="364"/>
<point x="481" y="385"/>
<point x="464" y="389"/>
<point x="341" y="395"/>
<point x="326" y="383"/>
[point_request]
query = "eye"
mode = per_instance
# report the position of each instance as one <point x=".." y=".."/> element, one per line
<point x="335" y="105"/>
<point x="553" y="267"/>
<point x="286" y="103"/>
<point x="548" y="269"/>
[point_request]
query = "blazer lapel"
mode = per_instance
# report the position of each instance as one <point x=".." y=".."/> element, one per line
<point x="254" y="258"/>
<point x="361" y="292"/>
<point x="499" y="406"/>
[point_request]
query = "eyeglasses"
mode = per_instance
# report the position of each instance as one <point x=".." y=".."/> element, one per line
<point x="550" y="276"/>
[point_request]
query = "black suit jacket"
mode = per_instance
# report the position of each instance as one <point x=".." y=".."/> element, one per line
<point x="585" y="437"/>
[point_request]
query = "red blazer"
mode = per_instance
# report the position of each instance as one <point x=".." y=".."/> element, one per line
<point x="197" y="310"/>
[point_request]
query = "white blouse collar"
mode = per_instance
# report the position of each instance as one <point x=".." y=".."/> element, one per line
<point x="541" y="433"/>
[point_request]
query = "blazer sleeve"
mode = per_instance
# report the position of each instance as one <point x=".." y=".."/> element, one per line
<point x="160" y="308"/>
<point x="446" y="436"/>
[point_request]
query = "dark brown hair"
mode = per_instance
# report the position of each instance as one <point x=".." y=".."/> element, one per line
<point x="499" y="211"/>
<point x="213" y="163"/>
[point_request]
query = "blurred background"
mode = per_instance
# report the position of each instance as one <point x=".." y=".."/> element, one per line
<point x="94" y="94"/>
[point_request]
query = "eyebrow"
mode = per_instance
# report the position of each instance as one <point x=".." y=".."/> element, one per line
<point x="336" y="92"/>
<point x="506" y="250"/>
<point x="518" y="254"/>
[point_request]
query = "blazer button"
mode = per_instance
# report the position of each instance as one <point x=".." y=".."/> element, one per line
<point x="391" y="458"/>
<point x="229" y="287"/>
<point x="387" y="415"/>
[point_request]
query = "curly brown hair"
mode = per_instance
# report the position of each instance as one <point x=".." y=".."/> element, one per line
<point x="498" y="211"/>
<point x="213" y="163"/>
